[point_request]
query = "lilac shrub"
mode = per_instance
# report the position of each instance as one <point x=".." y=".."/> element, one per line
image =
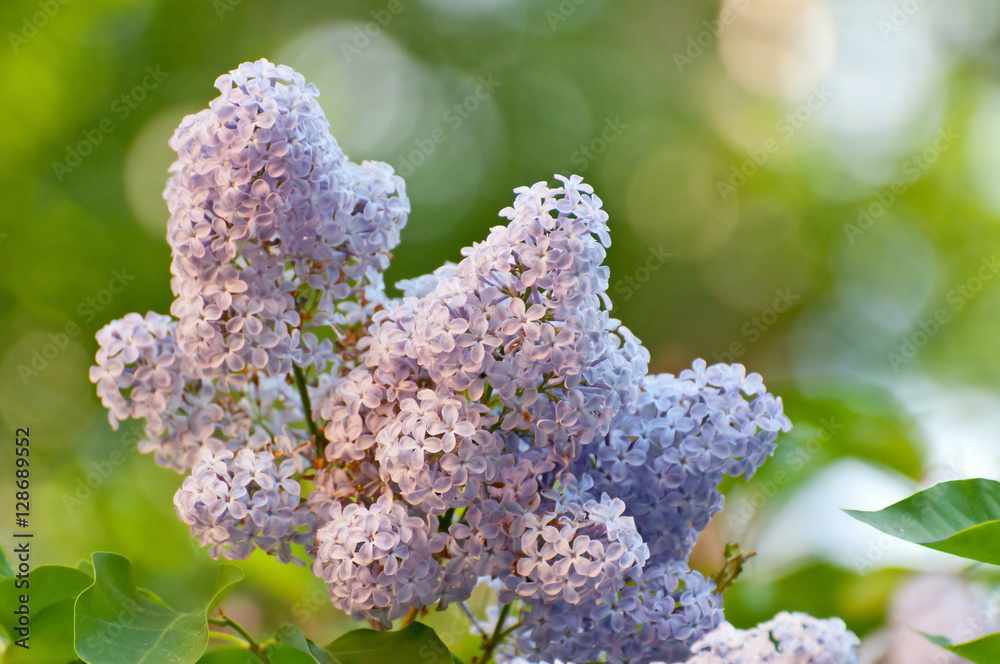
<point x="494" y="421"/>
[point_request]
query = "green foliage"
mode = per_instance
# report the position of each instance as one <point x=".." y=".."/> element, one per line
<point x="366" y="646"/>
<point x="417" y="642"/>
<point x="115" y="623"/>
<point x="228" y="655"/>
<point x="294" y="647"/>
<point x="51" y="637"/>
<point x="53" y="591"/>
<point x="862" y="422"/>
<point x="960" y="517"/>
<point x="5" y="571"/>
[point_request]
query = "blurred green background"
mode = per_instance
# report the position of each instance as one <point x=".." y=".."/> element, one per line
<point x="807" y="187"/>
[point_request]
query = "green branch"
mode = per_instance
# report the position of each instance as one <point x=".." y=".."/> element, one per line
<point x="498" y="634"/>
<point x="300" y="383"/>
<point x="251" y="644"/>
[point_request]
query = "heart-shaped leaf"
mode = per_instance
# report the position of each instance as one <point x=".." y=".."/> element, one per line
<point x="116" y="623"/>
<point x="960" y="517"/>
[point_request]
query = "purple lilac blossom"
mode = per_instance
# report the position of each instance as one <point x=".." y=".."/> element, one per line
<point x="495" y="422"/>
<point x="790" y="638"/>
<point x="236" y="503"/>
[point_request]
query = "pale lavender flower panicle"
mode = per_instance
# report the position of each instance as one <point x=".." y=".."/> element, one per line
<point x="666" y="457"/>
<point x="263" y="206"/>
<point x="142" y="374"/>
<point x="235" y="503"/>
<point x="498" y="394"/>
<point x="657" y="617"/>
<point x="577" y="550"/>
<point x="479" y="546"/>
<point x="378" y="560"/>
<point x="523" y="313"/>
<point x="790" y="638"/>
<point x="138" y="371"/>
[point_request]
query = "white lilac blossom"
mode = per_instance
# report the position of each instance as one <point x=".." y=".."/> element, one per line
<point x="791" y="638"/>
<point x="494" y="422"/>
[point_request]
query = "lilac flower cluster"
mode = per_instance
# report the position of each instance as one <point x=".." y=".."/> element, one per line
<point x="278" y="243"/>
<point x="576" y="552"/>
<point x="271" y="227"/>
<point x="378" y="560"/>
<point x="655" y="616"/>
<point x="666" y="456"/>
<point x="238" y="503"/>
<point x="495" y="421"/>
<point x="791" y="638"/>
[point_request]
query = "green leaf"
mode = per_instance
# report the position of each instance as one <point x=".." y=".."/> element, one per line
<point x="290" y="636"/>
<point x="960" y="517"/>
<point x="282" y="653"/>
<point x="417" y="642"/>
<point x="116" y="623"/>
<point x="53" y="590"/>
<point x="229" y="655"/>
<point x="982" y="651"/>
<point x="5" y="571"/>
<point x="153" y="597"/>
<point x="229" y="576"/>
<point x="51" y="640"/>
<point x="50" y="584"/>
<point x="86" y="567"/>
